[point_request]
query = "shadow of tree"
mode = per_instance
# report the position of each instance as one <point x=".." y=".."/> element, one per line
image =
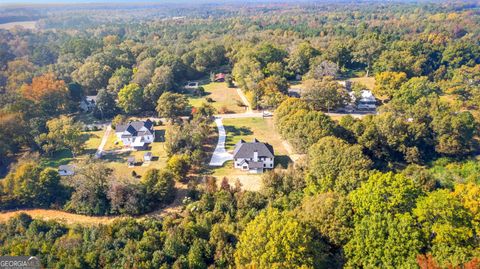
<point x="117" y="157"/>
<point x="159" y="136"/>
<point x="283" y="160"/>
<point x="233" y="131"/>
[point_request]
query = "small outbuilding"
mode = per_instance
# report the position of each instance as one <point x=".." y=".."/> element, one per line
<point x="147" y="157"/>
<point x="66" y="170"/>
<point x="220" y="77"/>
<point x="131" y="161"/>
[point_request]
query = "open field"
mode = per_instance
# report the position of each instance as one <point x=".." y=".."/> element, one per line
<point x="368" y="82"/>
<point x="22" y="24"/>
<point x="222" y="96"/>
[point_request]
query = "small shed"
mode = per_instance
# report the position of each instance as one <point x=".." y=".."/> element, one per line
<point x="220" y="77"/>
<point x="131" y="161"/>
<point x="66" y="170"/>
<point x="147" y="157"/>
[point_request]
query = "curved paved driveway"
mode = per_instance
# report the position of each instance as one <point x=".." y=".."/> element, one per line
<point x="220" y="155"/>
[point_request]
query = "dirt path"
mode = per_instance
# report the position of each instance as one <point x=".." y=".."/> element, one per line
<point x="295" y="157"/>
<point x="244" y="100"/>
<point x="69" y="218"/>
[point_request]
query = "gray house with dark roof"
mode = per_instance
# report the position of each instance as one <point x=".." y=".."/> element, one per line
<point x="136" y="134"/>
<point x="253" y="156"/>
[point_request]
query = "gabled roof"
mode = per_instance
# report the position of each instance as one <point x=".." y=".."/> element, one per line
<point x="66" y="168"/>
<point x="246" y="150"/>
<point x="136" y="128"/>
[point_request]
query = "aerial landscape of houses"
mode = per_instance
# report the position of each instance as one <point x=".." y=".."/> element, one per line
<point x="286" y="134"/>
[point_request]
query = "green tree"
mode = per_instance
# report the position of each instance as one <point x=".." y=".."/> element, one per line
<point x="90" y="186"/>
<point x="454" y="133"/>
<point x="387" y="83"/>
<point x="329" y="213"/>
<point x="120" y="78"/>
<point x="366" y="51"/>
<point x="384" y="241"/>
<point x="385" y="193"/>
<point x="447" y="227"/>
<point x="179" y="165"/>
<point x="336" y="165"/>
<point x="289" y="244"/>
<point x="159" y="187"/>
<point x="414" y="89"/>
<point x="63" y="132"/>
<point x="299" y="59"/>
<point x="325" y="95"/>
<point x="130" y="99"/>
<point x="105" y="105"/>
<point x="162" y="81"/>
<point x="172" y="105"/>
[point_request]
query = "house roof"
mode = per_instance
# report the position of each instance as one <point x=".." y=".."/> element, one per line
<point x="136" y="128"/>
<point x="220" y="76"/>
<point x="246" y="149"/>
<point x="148" y="154"/>
<point x="131" y="159"/>
<point x="67" y="168"/>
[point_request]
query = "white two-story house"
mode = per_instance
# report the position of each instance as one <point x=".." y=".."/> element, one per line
<point x="253" y="156"/>
<point x="136" y="134"/>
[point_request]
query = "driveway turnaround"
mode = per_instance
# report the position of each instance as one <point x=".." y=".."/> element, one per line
<point x="220" y="155"/>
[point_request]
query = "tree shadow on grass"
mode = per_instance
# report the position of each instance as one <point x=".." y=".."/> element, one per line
<point x="283" y="160"/>
<point x="234" y="131"/>
<point x="159" y="136"/>
<point x="117" y="157"/>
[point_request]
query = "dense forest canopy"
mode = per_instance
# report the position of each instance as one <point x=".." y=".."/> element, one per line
<point x="399" y="188"/>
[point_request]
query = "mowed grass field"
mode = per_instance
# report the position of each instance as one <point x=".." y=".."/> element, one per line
<point x="23" y="24"/>
<point x="222" y="96"/>
<point x="368" y="82"/>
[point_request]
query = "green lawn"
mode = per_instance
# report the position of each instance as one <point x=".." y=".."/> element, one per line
<point x="223" y="98"/>
<point x="249" y="128"/>
<point x="368" y="82"/>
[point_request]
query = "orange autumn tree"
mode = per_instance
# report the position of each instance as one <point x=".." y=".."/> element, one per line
<point x="51" y="94"/>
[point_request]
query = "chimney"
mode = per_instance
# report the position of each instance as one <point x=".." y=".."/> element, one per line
<point x="255" y="156"/>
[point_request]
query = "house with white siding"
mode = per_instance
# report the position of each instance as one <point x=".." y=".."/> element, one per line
<point x="136" y="134"/>
<point x="254" y="156"/>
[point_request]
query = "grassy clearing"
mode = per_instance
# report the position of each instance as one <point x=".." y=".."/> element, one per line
<point x="23" y="24"/>
<point x="368" y="82"/>
<point x="223" y="97"/>
<point x="249" y="128"/>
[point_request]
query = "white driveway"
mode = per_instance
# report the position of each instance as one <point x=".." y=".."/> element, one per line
<point x="220" y="155"/>
<point x="99" y="152"/>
